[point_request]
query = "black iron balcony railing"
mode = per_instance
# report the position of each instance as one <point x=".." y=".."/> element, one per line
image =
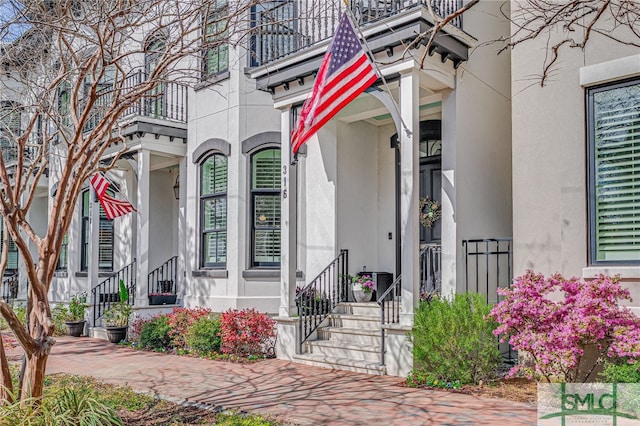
<point x="167" y="101"/>
<point x="282" y="28"/>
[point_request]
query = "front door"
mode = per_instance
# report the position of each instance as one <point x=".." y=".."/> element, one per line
<point x="430" y="180"/>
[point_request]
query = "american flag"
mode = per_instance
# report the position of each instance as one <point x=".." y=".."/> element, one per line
<point x="345" y="72"/>
<point x="112" y="206"/>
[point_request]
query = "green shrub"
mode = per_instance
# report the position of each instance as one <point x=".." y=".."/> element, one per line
<point x="59" y="314"/>
<point x="79" y="407"/>
<point x="621" y="372"/>
<point x="155" y="333"/>
<point x="203" y="336"/>
<point x="454" y="341"/>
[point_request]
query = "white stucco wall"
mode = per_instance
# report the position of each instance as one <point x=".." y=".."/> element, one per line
<point x="549" y="154"/>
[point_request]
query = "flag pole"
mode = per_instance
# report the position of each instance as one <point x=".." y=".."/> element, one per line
<point x="375" y="65"/>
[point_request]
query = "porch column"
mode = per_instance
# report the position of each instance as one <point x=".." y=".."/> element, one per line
<point x="288" y="222"/>
<point x="142" y="241"/>
<point x="409" y="191"/>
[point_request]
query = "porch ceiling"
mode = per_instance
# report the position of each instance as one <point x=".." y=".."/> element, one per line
<point x="368" y="108"/>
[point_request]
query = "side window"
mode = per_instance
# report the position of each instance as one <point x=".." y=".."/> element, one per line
<point x="265" y="208"/>
<point x="613" y="120"/>
<point x="105" y="236"/>
<point x="213" y="211"/>
<point x="215" y="55"/>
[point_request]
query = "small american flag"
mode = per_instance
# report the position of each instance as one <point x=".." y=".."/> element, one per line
<point x="345" y="72"/>
<point x="112" y="206"/>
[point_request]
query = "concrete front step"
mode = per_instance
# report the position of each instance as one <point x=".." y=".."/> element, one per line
<point x="337" y="363"/>
<point x="350" y="335"/>
<point x="367" y="309"/>
<point x="338" y="349"/>
<point x="366" y="322"/>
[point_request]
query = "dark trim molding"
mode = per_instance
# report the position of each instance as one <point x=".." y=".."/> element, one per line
<point x="256" y="141"/>
<point x="213" y="144"/>
<point x="210" y="273"/>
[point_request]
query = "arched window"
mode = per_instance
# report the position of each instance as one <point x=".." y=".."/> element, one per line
<point x="265" y="208"/>
<point x="105" y="236"/>
<point x="213" y="211"/>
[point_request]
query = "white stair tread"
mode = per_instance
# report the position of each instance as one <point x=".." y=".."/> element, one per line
<point x="372" y="366"/>
<point x="346" y="330"/>
<point x="343" y="345"/>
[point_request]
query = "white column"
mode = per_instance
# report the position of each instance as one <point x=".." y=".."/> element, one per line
<point x="288" y="223"/>
<point x="142" y="243"/>
<point x="449" y="225"/>
<point x="182" y="231"/>
<point x="92" y="252"/>
<point x="409" y="192"/>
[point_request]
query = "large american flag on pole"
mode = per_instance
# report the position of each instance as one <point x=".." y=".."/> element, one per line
<point x="345" y="72"/>
<point x="112" y="206"/>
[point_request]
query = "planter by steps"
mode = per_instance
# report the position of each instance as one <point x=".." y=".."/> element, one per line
<point x="360" y="295"/>
<point x="162" y="299"/>
<point x="75" y="328"/>
<point x="117" y="334"/>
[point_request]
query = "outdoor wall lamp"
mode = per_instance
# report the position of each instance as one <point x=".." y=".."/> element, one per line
<point x="176" y="188"/>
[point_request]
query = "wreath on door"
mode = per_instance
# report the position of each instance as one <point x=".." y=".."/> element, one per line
<point x="430" y="212"/>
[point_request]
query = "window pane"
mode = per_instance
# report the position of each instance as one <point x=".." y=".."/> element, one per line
<point x="215" y="247"/>
<point x="616" y="131"/>
<point x="267" y="211"/>
<point x="267" y="246"/>
<point x="215" y="214"/>
<point x="214" y="175"/>
<point x="266" y="169"/>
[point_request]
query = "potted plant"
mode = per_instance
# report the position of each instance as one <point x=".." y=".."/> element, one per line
<point x="74" y="318"/>
<point x="116" y="319"/>
<point x="362" y="288"/>
<point x="164" y="298"/>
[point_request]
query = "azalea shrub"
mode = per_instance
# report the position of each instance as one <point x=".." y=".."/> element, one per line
<point x="180" y="319"/>
<point x="453" y="341"/>
<point x="553" y="319"/>
<point x="246" y="332"/>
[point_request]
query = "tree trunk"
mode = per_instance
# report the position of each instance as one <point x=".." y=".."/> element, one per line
<point x="33" y="380"/>
<point x="6" y="386"/>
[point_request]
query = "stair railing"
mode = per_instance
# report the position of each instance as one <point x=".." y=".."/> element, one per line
<point x="430" y="271"/>
<point x="10" y="288"/>
<point x="316" y="300"/>
<point x="164" y="279"/>
<point x="105" y="294"/>
<point x="389" y="303"/>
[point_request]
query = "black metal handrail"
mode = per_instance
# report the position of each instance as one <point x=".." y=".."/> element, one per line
<point x="488" y="265"/>
<point x="430" y="271"/>
<point x="106" y="293"/>
<point x="10" y="288"/>
<point x="389" y="303"/>
<point x="164" y="279"/>
<point x="282" y="28"/>
<point x="316" y="300"/>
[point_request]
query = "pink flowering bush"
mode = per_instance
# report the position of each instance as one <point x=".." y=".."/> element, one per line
<point x="246" y="333"/>
<point x="555" y="333"/>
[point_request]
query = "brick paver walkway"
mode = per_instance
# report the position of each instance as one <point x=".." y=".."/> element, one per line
<point x="292" y="392"/>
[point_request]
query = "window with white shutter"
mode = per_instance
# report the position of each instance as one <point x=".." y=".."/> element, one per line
<point x="265" y="208"/>
<point x="613" y="121"/>
<point x="213" y="211"/>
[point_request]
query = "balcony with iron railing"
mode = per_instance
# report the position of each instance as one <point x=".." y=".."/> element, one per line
<point x="166" y="102"/>
<point x="283" y="28"/>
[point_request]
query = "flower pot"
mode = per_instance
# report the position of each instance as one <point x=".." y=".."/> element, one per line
<point x="360" y="296"/>
<point x="75" y="328"/>
<point x="117" y="334"/>
<point x="162" y="299"/>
